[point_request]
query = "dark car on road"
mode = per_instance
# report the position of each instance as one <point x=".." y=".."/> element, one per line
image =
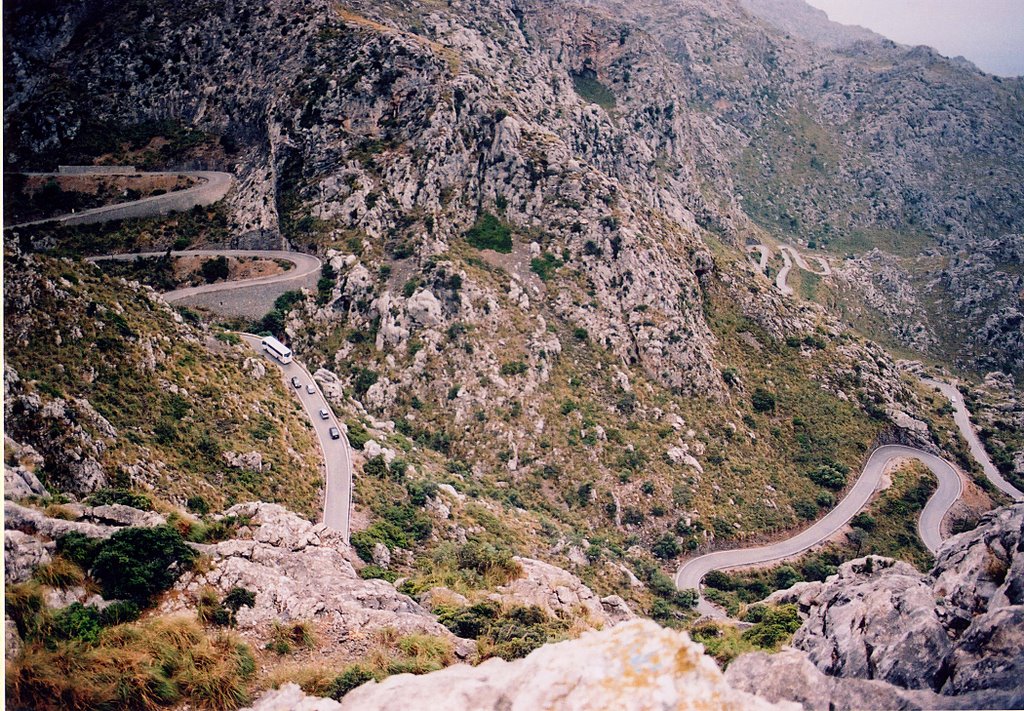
<point x="335" y="434"/>
<point x="296" y="382"/>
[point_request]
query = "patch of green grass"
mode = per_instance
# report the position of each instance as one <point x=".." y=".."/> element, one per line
<point x="545" y="265"/>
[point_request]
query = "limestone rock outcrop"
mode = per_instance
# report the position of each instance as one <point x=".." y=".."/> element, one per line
<point x="302" y="571"/>
<point x="881" y="634"/>
<point x="635" y="665"/>
<point x="555" y="590"/>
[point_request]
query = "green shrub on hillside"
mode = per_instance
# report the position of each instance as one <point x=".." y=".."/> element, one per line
<point x="104" y="497"/>
<point x="830" y="476"/>
<point x="137" y="563"/>
<point x="490" y="233"/>
<point x="762" y="400"/>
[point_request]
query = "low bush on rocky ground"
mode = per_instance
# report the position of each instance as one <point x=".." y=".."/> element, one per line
<point x="506" y="632"/>
<point x="772" y="627"/>
<point x="475" y="565"/>
<point x="389" y="653"/>
<point x="490" y="233"/>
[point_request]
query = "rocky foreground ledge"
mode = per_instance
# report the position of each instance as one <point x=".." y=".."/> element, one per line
<point x="879" y="634"/>
<point x="634" y="665"/>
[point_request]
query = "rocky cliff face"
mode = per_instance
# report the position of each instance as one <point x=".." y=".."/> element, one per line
<point x="881" y="634"/>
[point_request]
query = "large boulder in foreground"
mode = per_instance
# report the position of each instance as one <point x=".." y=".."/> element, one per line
<point x="880" y="634"/>
<point x="302" y="571"/>
<point x="635" y="665"/>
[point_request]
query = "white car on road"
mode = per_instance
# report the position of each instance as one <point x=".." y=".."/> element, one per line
<point x="324" y="414"/>
<point x="310" y="388"/>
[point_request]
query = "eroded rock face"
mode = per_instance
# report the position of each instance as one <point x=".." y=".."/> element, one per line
<point x="869" y="626"/>
<point x="302" y="572"/>
<point x="22" y="555"/>
<point x="636" y="665"/>
<point x="951" y="639"/>
<point x="32" y="521"/>
<point x="555" y="590"/>
<point x="19" y="483"/>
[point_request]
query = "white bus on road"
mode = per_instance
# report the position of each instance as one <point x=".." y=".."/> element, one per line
<point x="277" y="349"/>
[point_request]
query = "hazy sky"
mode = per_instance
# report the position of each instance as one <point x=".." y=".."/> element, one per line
<point x="990" y="33"/>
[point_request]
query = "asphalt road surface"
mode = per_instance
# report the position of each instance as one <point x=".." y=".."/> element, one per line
<point x="694" y="570"/>
<point x="337" y="453"/>
<point x="963" y="422"/>
<point x="305" y="264"/>
<point x="211" y="186"/>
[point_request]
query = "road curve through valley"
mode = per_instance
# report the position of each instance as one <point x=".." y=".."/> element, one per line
<point x="210" y="187"/>
<point x="336" y="452"/>
<point x="764" y="252"/>
<point x="305" y="264"/>
<point x="825" y="270"/>
<point x="693" y="571"/>
<point x="963" y="422"/>
<point x="780" y="278"/>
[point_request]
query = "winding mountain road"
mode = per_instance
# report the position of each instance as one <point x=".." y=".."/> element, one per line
<point x="825" y="270"/>
<point x="929" y="525"/>
<point x="336" y="452"/>
<point x="963" y="422"/>
<point x="693" y="571"/>
<point x="790" y="256"/>
<point x="210" y="187"/>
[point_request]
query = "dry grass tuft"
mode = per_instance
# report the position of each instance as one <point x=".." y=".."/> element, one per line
<point x="135" y="666"/>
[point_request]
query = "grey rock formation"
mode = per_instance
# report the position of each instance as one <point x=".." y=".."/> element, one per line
<point x="19" y="483"/>
<point x="22" y="555"/>
<point x="302" y="572"/>
<point x="291" y="698"/>
<point x="34" y="521"/>
<point x="555" y="590"/>
<point x="636" y="665"/>
<point x="121" y="515"/>
<point x="880" y="634"/>
<point x="874" y="626"/>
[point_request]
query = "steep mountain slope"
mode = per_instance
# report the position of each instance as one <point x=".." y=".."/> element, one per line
<point x="531" y="216"/>
<point x="537" y="318"/>
<point x="108" y="387"/>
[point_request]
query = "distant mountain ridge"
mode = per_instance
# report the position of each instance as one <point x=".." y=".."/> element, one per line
<point x="799" y="19"/>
